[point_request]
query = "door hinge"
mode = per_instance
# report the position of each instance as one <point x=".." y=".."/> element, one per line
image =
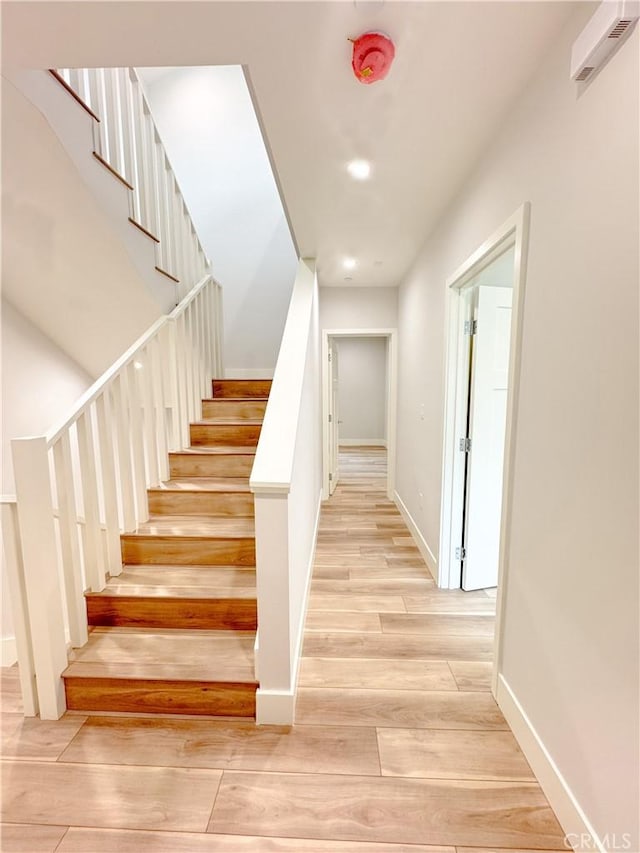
<point x="465" y="445"/>
<point x="330" y="419"/>
<point x="470" y="327"/>
<point x="329" y="356"/>
<point x="461" y="553"/>
<point x="330" y="477"/>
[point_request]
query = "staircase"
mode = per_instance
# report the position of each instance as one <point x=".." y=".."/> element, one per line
<point x="174" y="633"/>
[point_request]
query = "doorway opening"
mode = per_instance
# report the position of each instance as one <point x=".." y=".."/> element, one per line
<point x="359" y="398"/>
<point x="485" y="303"/>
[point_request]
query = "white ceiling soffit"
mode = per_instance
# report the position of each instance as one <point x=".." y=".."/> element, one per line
<point x="458" y="69"/>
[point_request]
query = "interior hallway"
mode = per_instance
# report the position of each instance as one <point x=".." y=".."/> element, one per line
<point x="398" y="744"/>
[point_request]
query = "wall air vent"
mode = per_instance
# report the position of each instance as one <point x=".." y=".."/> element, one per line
<point x="606" y="31"/>
<point x="584" y="73"/>
<point x="619" y="29"/>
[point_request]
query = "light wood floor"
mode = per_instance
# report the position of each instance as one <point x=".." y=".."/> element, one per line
<point x="398" y="745"/>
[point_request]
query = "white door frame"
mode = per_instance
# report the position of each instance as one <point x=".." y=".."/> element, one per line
<point x="513" y="232"/>
<point x="392" y="398"/>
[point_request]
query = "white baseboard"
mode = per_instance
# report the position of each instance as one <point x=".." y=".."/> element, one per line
<point x="581" y="836"/>
<point x="277" y="707"/>
<point x="362" y="442"/>
<point x="248" y="373"/>
<point x="9" y="651"/>
<point x="421" y="542"/>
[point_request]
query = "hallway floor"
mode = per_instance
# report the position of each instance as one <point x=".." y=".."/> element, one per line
<point x="398" y="744"/>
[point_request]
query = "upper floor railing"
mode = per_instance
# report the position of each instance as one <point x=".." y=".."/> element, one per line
<point x="84" y="482"/>
<point x="127" y="141"/>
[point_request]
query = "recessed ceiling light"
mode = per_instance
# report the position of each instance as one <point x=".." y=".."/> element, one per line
<point x="359" y="169"/>
<point x="349" y="263"/>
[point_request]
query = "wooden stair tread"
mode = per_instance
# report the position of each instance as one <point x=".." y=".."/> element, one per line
<point x="235" y="399"/>
<point x="197" y="526"/>
<point x="205" y="593"/>
<point x="166" y="653"/>
<point x="215" y="450"/>
<point x="230" y="577"/>
<point x="204" y="484"/>
<point x="228" y="421"/>
<point x="222" y="673"/>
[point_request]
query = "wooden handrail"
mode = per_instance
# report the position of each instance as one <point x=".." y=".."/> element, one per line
<point x="73" y="93"/>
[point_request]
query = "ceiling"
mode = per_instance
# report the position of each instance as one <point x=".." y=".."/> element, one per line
<point x="458" y="69"/>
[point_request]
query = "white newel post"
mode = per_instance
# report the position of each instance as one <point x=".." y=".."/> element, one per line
<point x="20" y="610"/>
<point x="274" y="699"/>
<point x="42" y="583"/>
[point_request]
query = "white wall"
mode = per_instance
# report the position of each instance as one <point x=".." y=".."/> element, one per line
<point x="63" y="266"/>
<point x="571" y="609"/>
<point x="362" y="389"/>
<point x="39" y="383"/>
<point x="208" y="125"/>
<point x="358" y="307"/>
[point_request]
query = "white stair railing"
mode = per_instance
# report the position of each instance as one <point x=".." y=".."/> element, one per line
<point x="84" y="482"/>
<point x="126" y="139"/>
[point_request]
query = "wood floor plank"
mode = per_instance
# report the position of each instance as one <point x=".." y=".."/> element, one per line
<point x="30" y="838"/>
<point x="226" y="745"/>
<point x="427" y="754"/>
<point x="375" y="586"/>
<point x="450" y="601"/>
<point x="438" y="624"/>
<point x="504" y="850"/>
<point x="399" y="708"/>
<point x="10" y="691"/>
<point x="472" y="675"/>
<point x="335" y="573"/>
<point x="98" y="795"/>
<point x="410" y="811"/>
<point x="395" y="646"/>
<point x="373" y="603"/>
<point x="129" y="841"/>
<point x="358" y="672"/>
<point x="343" y="620"/>
<point x="379" y="571"/>
<point x="31" y="737"/>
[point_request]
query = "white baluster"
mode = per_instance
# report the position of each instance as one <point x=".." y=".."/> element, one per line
<point x="173" y="372"/>
<point x="149" y="418"/>
<point x="191" y="363"/>
<point x="83" y="87"/>
<point x="110" y="494"/>
<point x="180" y="355"/>
<point x="14" y="568"/>
<point x="128" y="136"/>
<point x="158" y="406"/>
<point x="42" y="584"/>
<point x="106" y="117"/>
<point x="137" y="445"/>
<point x="138" y="152"/>
<point x="120" y="409"/>
<point x="70" y="547"/>
<point x="94" y="563"/>
<point x="219" y="331"/>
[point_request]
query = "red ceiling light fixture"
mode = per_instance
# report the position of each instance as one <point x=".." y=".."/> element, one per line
<point x="373" y="54"/>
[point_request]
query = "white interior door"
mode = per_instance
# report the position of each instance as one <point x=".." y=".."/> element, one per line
<point x="487" y="423"/>
<point x="333" y="416"/>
